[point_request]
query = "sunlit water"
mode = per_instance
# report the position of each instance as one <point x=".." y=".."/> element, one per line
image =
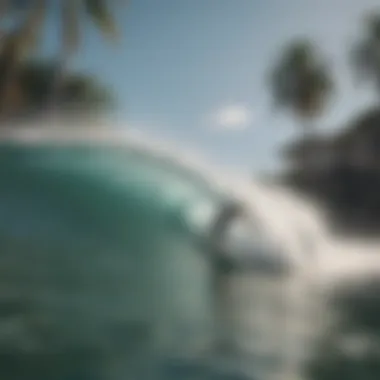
<point x="73" y="203"/>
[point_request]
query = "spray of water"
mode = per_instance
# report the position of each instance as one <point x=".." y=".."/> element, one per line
<point x="297" y="228"/>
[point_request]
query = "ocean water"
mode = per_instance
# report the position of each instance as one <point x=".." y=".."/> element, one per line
<point x="105" y="270"/>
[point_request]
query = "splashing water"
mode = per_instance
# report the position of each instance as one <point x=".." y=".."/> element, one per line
<point x="104" y="258"/>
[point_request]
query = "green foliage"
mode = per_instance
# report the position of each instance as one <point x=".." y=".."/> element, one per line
<point x="80" y="95"/>
<point x="28" y="19"/>
<point x="30" y="15"/>
<point x="80" y="92"/>
<point x="300" y="81"/>
<point x="346" y="177"/>
<point x="99" y="13"/>
<point x="365" y="55"/>
<point x="342" y="171"/>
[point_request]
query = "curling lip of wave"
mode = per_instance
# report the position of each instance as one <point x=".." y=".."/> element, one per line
<point x="269" y="205"/>
<point x="291" y="221"/>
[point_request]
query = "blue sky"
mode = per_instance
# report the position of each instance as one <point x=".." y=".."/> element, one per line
<point x="194" y="71"/>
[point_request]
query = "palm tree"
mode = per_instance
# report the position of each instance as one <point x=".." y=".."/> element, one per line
<point x="29" y="17"/>
<point x="80" y="94"/>
<point x="71" y="10"/>
<point x="365" y="55"/>
<point x="300" y="82"/>
<point x="16" y="45"/>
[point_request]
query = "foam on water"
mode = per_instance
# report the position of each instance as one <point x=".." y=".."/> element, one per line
<point x="295" y="226"/>
<point x="292" y="221"/>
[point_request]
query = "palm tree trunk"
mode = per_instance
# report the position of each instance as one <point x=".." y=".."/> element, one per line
<point x="10" y="71"/>
<point x="57" y="87"/>
<point x="69" y="36"/>
<point x="17" y="44"/>
<point x="10" y="65"/>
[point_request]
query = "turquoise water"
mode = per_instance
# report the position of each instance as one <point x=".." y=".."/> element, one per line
<point x="102" y="273"/>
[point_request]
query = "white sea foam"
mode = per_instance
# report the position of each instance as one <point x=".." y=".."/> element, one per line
<point x="292" y="221"/>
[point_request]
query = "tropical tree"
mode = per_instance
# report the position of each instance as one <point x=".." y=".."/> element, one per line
<point x="365" y="54"/>
<point x="300" y="82"/>
<point x="15" y="46"/>
<point x="81" y="95"/>
<point x="28" y="19"/>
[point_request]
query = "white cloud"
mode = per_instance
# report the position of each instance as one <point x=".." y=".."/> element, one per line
<point x="233" y="117"/>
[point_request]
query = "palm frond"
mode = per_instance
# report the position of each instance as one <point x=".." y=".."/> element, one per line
<point x="28" y="33"/>
<point x="373" y="26"/>
<point x="100" y="14"/>
<point x="365" y="54"/>
<point x="70" y="25"/>
<point x="300" y="81"/>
